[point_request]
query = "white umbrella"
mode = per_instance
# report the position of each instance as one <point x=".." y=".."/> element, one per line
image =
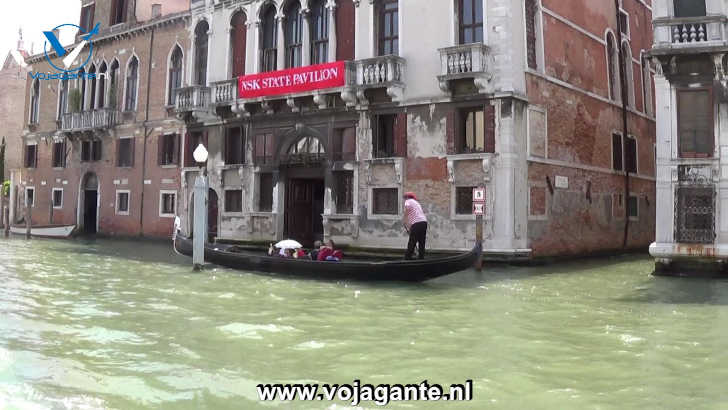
<point x="288" y="244"/>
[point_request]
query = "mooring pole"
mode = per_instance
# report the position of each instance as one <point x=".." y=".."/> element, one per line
<point x="6" y="218"/>
<point x="28" y="214"/>
<point x="479" y="239"/>
<point x="200" y="222"/>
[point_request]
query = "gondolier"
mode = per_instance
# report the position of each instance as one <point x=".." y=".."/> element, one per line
<point x="415" y="222"/>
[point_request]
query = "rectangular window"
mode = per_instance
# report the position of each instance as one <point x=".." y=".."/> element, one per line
<point x="689" y="8"/>
<point x="472" y="130"/>
<point x="388" y="22"/>
<point x="616" y="152"/>
<point x="471" y="21"/>
<point x="234" y="146"/>
<point x="234" y="200"/>
<point x="384" y="135"/>
<point x="168" y="149"/>
<point x="91" y="150"/>
<point x="464" y="200"/>
<point x="87" y="18"/>
<point x="624" y="23"/>
<point x="122" y="202"/>
<point x="386" y="201"/>
<point x="695" y="123"/>
<point x="263" y="149"/>
<point x="29" y="196"/>
<point x="167" y="203"/>
<point x="118" y="11"/>
<point x="59" y="154"/>
<point x="633" y="206"/>
<point x="344" y="192"/>
<point x="57" y="198"/>
<point x="531" y="35"/>
<point x="695" y="218"/>
<point x="194" y="139"/>
<point x="31" y="156"/>
<point x="344" y="144"/>
<point x="630" y="155"/>
<point x="125" y="152"/>
<point x="265" y="199"/>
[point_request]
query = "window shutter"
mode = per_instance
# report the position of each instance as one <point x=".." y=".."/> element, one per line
<point x="160" y="149"/>
<point x="400" y="135"/>
<point x="175" y="153"/>
<point x="489" y="114"/>
<point x="131" y="152"/>
<point x="90" y="18"/>
<point x="450" y="130"/>
<point x="118" y="152"/>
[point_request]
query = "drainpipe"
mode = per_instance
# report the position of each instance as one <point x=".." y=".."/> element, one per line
<point x="623" y="86"/>
<point x="147" y="131"/>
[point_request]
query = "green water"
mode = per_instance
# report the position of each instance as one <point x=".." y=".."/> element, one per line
<point x="126" y="325"/>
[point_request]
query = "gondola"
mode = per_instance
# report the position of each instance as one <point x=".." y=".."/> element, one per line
<point x="233" y="257"/>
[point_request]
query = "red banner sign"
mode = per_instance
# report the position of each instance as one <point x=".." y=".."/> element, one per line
<point x="294" y="80"/>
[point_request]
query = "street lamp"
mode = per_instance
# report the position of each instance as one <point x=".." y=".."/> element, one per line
<point x="200" y="207"/>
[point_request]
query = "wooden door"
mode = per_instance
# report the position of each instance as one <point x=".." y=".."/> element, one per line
<point x="304" y="206"/>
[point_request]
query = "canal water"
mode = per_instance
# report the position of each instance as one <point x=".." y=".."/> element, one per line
<point x="114" y="324"/>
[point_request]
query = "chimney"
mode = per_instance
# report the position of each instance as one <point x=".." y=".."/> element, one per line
<point x="156" y="10"/>
<point x="21" y="44"/>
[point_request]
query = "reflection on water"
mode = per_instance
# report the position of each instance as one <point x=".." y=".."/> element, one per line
<point x="113" y="324"/>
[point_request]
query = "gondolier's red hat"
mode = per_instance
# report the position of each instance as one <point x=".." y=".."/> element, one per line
<point x="410" y="195"/>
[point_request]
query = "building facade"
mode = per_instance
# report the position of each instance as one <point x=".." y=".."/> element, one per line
<point x="689" y="50"/>
<point x="521" y="97"/>
<point x="12" y="83"/>
<point x="101" y="153"/>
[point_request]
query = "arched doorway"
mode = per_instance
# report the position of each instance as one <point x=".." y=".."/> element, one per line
<point x="89" y="203"/>
<point x="212" y="214"/>
<point x="304" y="200"/>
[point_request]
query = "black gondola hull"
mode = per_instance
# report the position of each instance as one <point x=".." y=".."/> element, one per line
<point x="398" y="271"/>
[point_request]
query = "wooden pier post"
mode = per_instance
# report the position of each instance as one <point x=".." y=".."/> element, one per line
<point x="28" y="214"/>
<point x="479" y="238"/>
<point x="6" y="218"/>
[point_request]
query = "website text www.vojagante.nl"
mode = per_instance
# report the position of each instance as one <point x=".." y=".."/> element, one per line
<point x="357" y="392"/>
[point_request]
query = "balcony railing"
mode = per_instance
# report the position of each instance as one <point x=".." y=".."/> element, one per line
<point x="89" y="120"/>
<point x="379" y="71"/>
<point x="676" y="32"/>
<point x="194" y="98"/>
<point x="464" y="61"/>
<point x="224" y="92"/>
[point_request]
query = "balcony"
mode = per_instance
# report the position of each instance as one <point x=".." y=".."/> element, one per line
<point x="192" y="100"/>
<point x="224" y="92"/>
<point x="689" y="35"/>
<point x="385" y="72"/>
<point x="103" y="118"/>
<point x="466" y="61"/>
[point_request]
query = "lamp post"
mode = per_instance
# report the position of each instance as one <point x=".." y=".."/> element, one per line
<point x="200" y="208"/>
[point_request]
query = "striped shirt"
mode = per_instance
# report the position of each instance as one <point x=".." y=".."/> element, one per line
<point x="413" y="213"/>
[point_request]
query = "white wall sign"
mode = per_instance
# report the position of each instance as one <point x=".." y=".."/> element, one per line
<point x="479" y="194"/>
<point x="562" y="182"/>
<point x="478" y="208"/>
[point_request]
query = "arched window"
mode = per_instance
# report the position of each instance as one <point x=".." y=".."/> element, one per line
<point x="63" y="98"/>
<point x="92" y="80"/>
<point x="531" y="8"/>
<point x="201" y="53"/>
<point x="612" y="68"/>
<point x="132" y="79"/>
<point x="319" y="32"/>
<point x="646" y="85"/>
<point x="82" y="88"/>
<point x="113" y="84"/>
<point x="175" y="75"/>
<point x="101" y="99"/>
<point x="35" y="102"/>
<point x="294" y="35"/>
<point x="628" y="72"/>
<point x="388" y="27"/>
<point x="269" y="48"/>
<point x="471" y="21"/>
<point x="238" y="40"/>
<point x="305" y="150"/>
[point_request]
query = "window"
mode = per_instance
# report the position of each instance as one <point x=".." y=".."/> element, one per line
<point x="612" y="68"/>
<point x="464" y="200"/>
<point x="386" y="201"/>
<point x="624" y="23"/>
<point x="175" y="75"/>
<point x="35" y="101"/>
<point x="234" y="146"/>
<point x="87" y="18"/>
<point x="689" y="8"/>
<point x="471" y="21"/>
<point x="201" y="41"/>
<point x="633" y="206"/>
<point x="59" y="154"/>
<point x="31" y="156"/>
<point x="344" y="144"/>
<point x="646" y="86"/>
<point x="125" y="152"/>
<point x="91" y="150"/>
<point x="234" y="200"/>
<point x="167" y="203"/>
<point x="29" y="196"/>
<point x="630" y="155"/>
<point x="265" y="199"/>
<point x="617" y="157"/>
<point x="101" y="98"/>
<point x="531" y="27"/>
<point x="319" y="32"/>
<point x="294" y="35"/>
<point x="472" y="132"/>
<point x="384" y="135"/>
<point x="388" y="23"/>
<point x="263" y="148"/>
<point x="118" y="11"/>
<point x="695" y="216"/>
<point x="168" y="149"/>
<point x="63" y="98"/>
<point x="344" y="192"/>
<point x="269" y="47"/>
<point x="132" y="78"/>
<point x="113" y="81"/>
<point x="628" y="72"/>
<point x="193" y="140"/>
<point x="122" y="202"/>
<point x="92" y="97"/>
<point x="695" y="123"/>
<point x="238" y="40"/>
<point x="57" y="198"/>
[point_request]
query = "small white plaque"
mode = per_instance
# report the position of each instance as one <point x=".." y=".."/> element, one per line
<point x="125" y="181"/>
<point x="167" y="181"/>
<point x="478" y="208"/>
<point x="42" y="182"/>
<point x="65" y="182"/>
<point x="147" y="182"/>
<point x="479" y="194"/>
<point x="561" y="182"/>
<point x="116" y="182"/>
<point x="58" y="180"/>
